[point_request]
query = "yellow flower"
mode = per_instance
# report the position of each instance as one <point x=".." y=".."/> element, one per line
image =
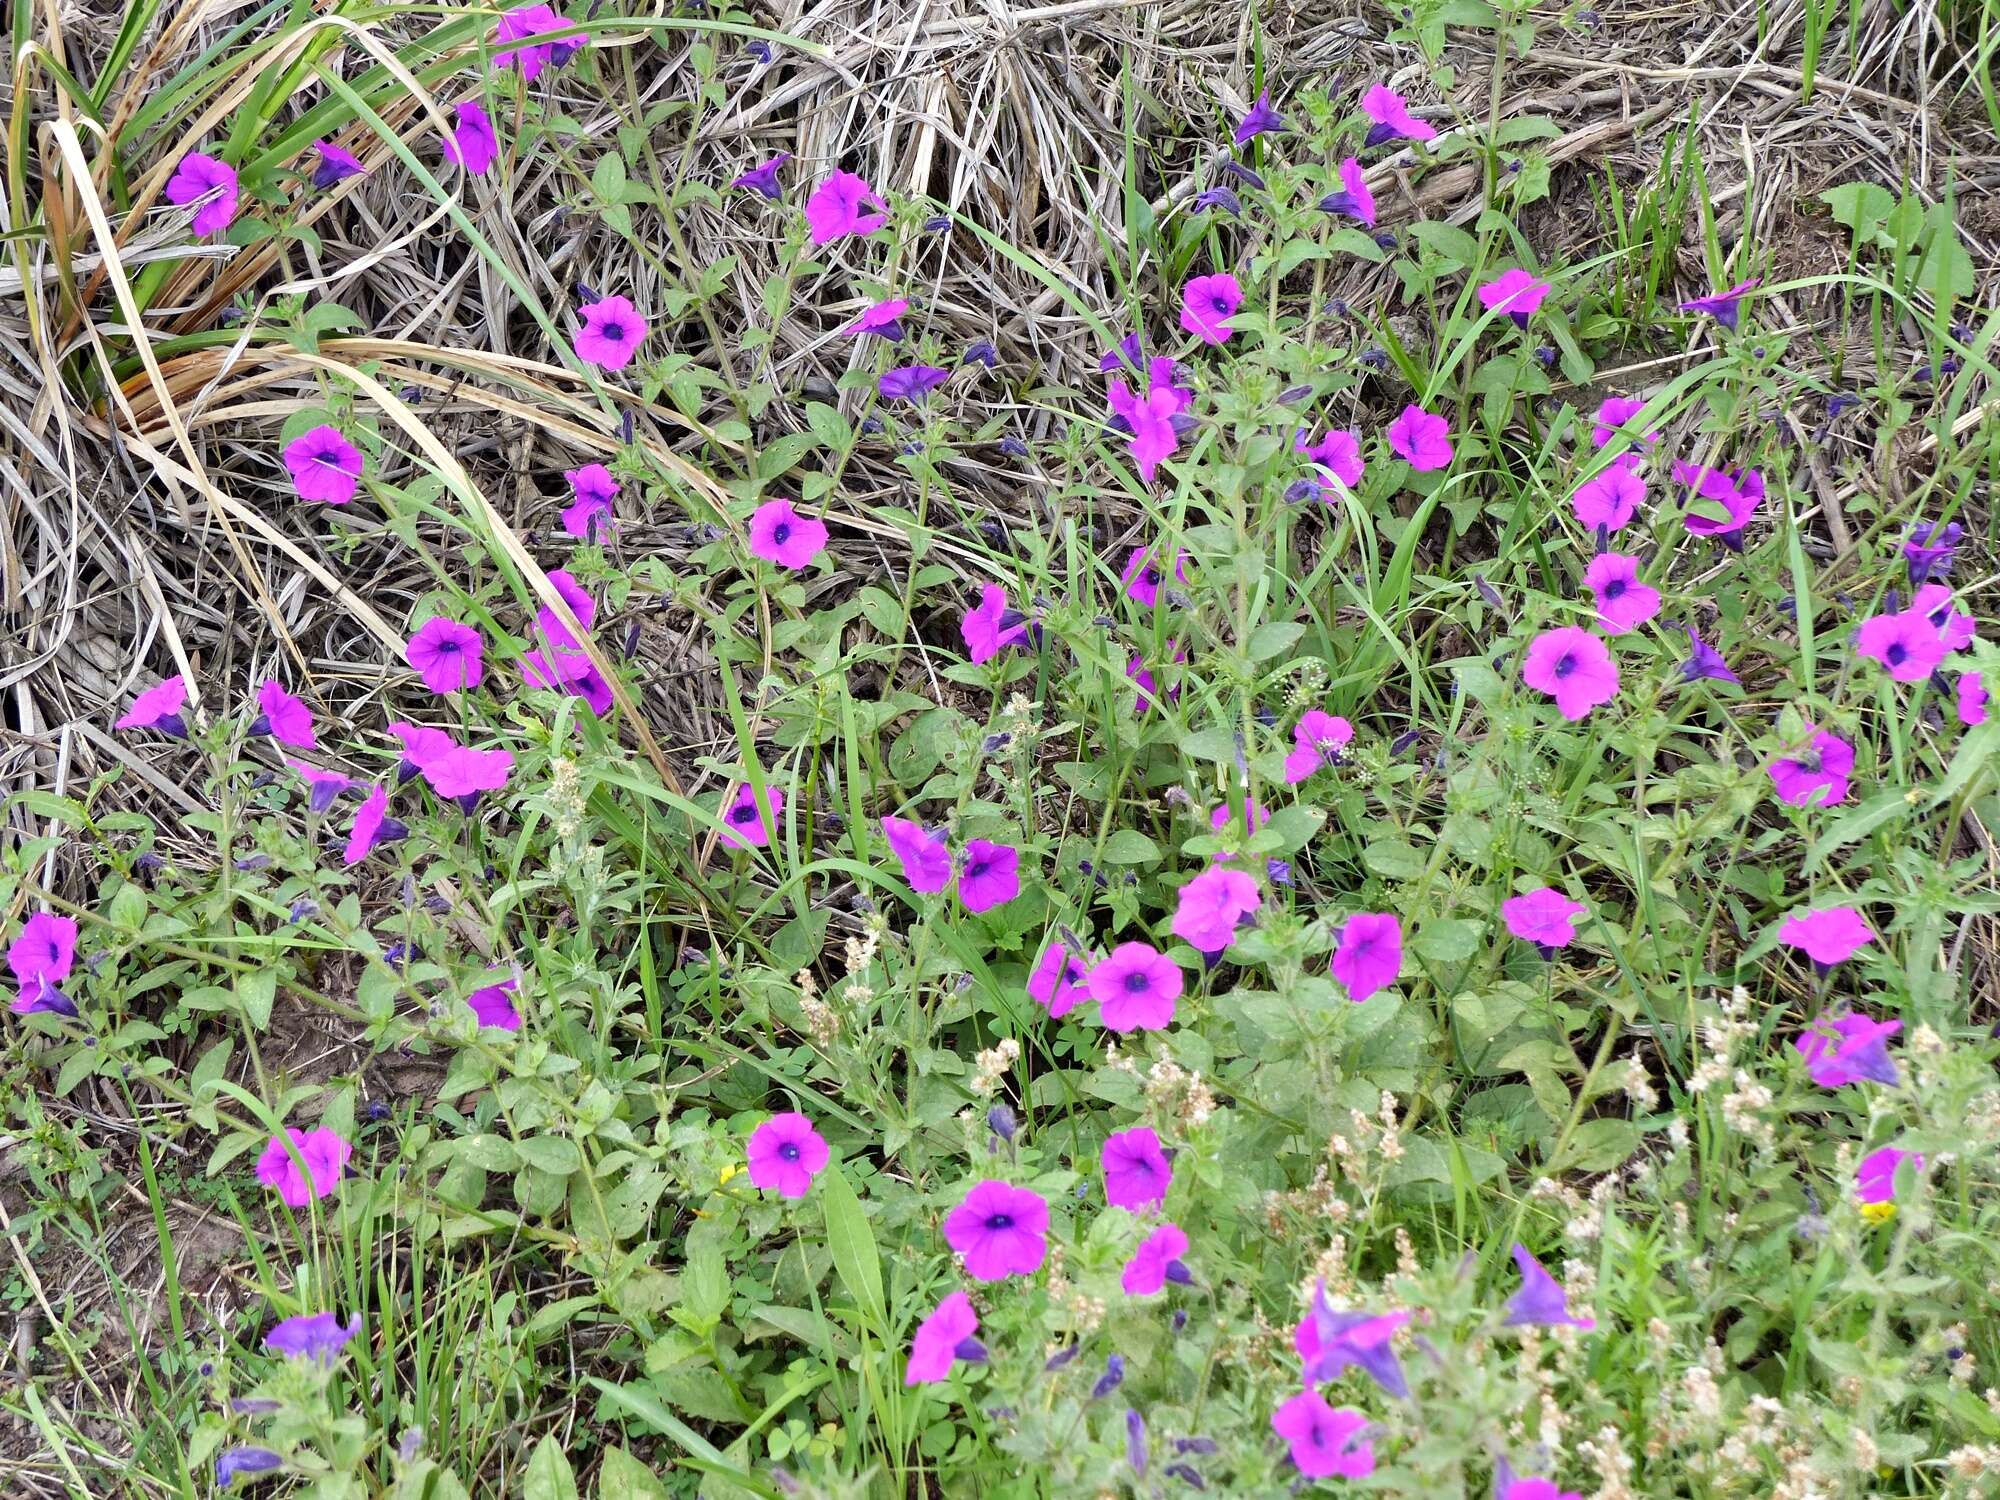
<point x="728" y="1172"/>
<point x="1878" y="1213"/>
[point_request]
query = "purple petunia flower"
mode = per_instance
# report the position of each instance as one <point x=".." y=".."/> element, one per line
<point x="779" y="534"/>
<point x="446" y="655"/>
<point x="1612" y="415"/>
<point x="1212" y="906"/>
<point x="925" y="860"/>
<point x="1540" y="1301"/>
<point x="763" y="178"/>
<point x="1736" y="495"/>
<point x="1135" y="987"/>
<point x="1392" y="118"/>
<point x="1210" y="199"/>
<point x="1704" y="661"/>
<point x="884" y="320"/>
<point x="1317" y="740"/>
<point x="472" y="143"/>
<point x="944" y="1336"/>
<point x="1338" y="454"/>
<point x="569" y="672"/>
<point x="1137" y="1173"/>
<point x="911" y="382"/>
<point x="371" y="827"/>
<point x="999" y="1230"/>
<point x="1421" y="440"/>
<point x="593" y="490"/>
<point x="1369" y="954"/>
<point x="461" y="773"/>
<point x="989" y="875"/>
<point x="210" y="182"/>
<point x="1544" y="917"/>
<point x="1351" y="199"/>
<point x="1933" y="602"/>
<point x="1060" y="981"/>
<point x="421" y="745"/>
<point x="835" y="208"/>
<point x="1623" y="602"/>
<point x="1572" y="666"/>
<point x="41" y="958"/>
<point x="325" y="1155"/>
<point x="1207" y="305"/>
<point x="1516" y="293"/>
<point x="992" y="626"/>
<point x="1150" y="420"/>
<point x="982" y="353"/>
<point x="611" y="334"/>
<point x="324" y="465"/>
<point x="493" y="1005"/>
<point x="786" y="1154"/>
<point x="1142" y="578"/>
<point x="1157" y="1262"/>
<point x="1609" y="498"/>
<point x="159" y="708"/>
<point x="520" y="25"/>
<point x="1360" y="1339"/>
<point x="744" y="826"/>
<point x="1875" y="1178"/>
<point x="285" y="718"/>
<point x="1816" y="775"/>
<point x="1260" y="119"/>
<point x="322" y="787"/>
<point x="316" y="1337"/>
<point x="1725" y="307"/>
<point x="1325" y="1440"/>
<point x="1532" y="1487"/>
<point x="1828" y="936"/>
<point x="1929" y="551"/>
<point x="1971" y="699"/>
<point x="336" y="165"/>
<point x="1906" y="643"/>
<point x="1846" y="1049"/>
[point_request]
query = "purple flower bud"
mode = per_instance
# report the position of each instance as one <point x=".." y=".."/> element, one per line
<point x="1135" y="1441"/>
<point x="1061" y="1357"/>
<point x="1244" y="175"/>
<point x="982" y="353"/>
<point x="254" y="1406"/>
<point x="1187" y="1475"/>
<point x="303" y="909"/>
<point x="1013" y="447"/>
<point x="1210" y="199"/>
<point x="937" y="223"/>
<point x="1111" y="1379"/>
<point x="254" y="862"/>
<point x="235" y="1462"/>
<point x="970" y="1350"/>
<point x="1000" y="1120"/>
<point x="1402" y="742"/>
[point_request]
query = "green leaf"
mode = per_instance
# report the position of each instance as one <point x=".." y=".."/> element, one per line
<point x="623" y="1477"/>
<point x="254" y="992"/>
<point x="828" y="425"/>
<point x="1448" y="941"/>
<point x="851" y="1242"/>
<point x="549" y="1475"/>
<point x="490" y="1153"/>
<point x="1863" y="207"/>
<point x="1267" y="641"/>
<point x="551" y="1153"/>
<point x="1128" y="846"/>
<point x="705" y="1281"/>
<point x="1598" y="1146"/>
<point x="607" y="178"/>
